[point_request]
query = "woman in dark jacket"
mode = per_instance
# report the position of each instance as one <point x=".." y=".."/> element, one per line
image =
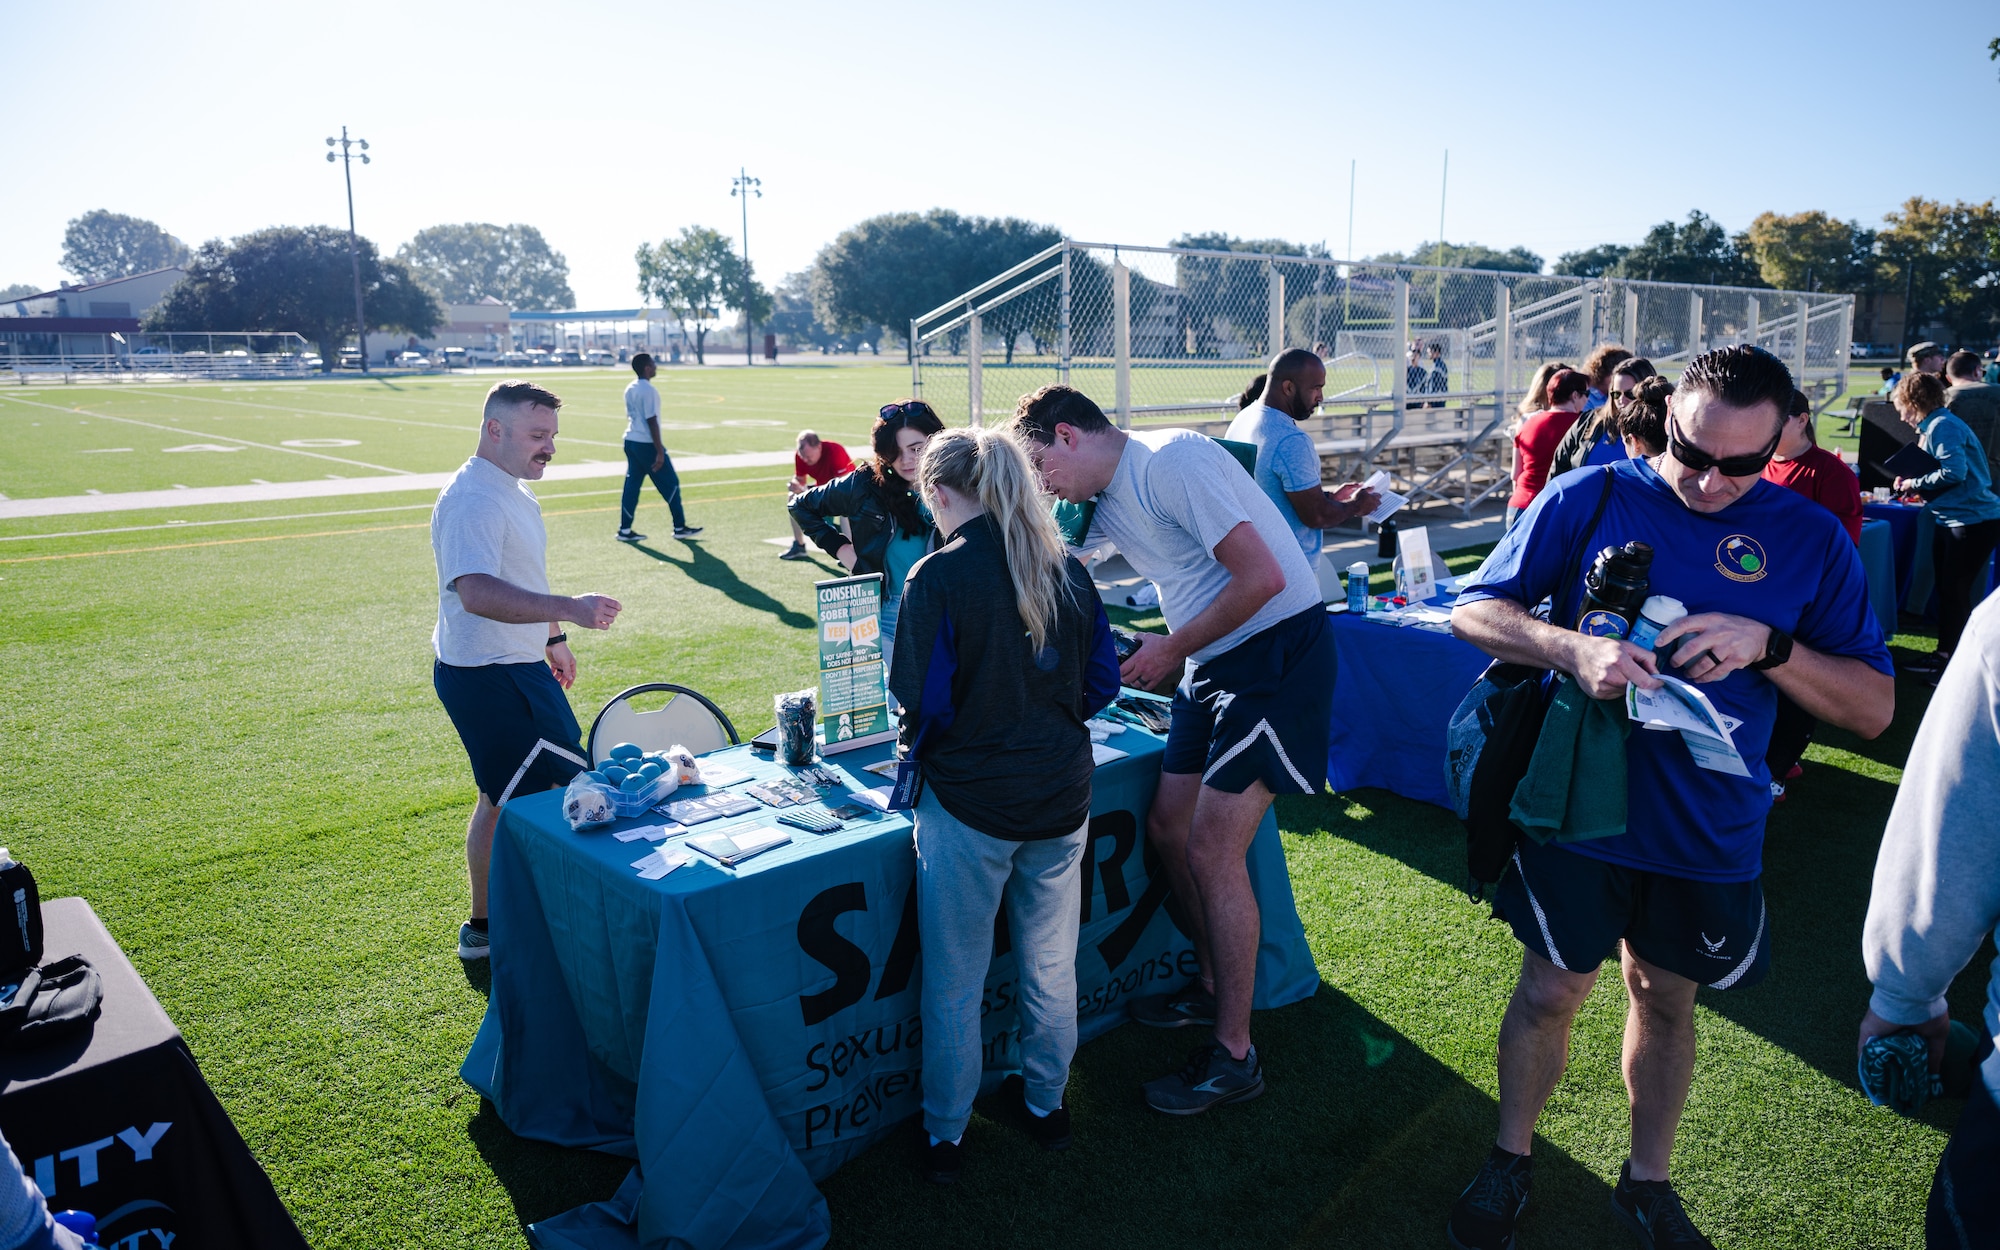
<point x="889" y="529"/>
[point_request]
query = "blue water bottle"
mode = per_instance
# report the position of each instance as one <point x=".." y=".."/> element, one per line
<point x="1357" y="587"/>
<point x="82" y="1223"/>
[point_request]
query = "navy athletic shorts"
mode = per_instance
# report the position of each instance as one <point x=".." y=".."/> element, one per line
<point x="1571" y="910"/>
<point x="1260" y="711"/>
<point x="502" y="713"/>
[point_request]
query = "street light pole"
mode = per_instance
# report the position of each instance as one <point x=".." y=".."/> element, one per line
<point x="744" y="186"/>
<point x="353" y="242"/>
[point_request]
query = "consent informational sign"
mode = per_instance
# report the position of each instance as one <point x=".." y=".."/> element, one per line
<point x="853" y="672"/>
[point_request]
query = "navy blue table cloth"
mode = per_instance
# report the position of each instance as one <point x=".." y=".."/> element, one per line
<point x="1393" y="694"/>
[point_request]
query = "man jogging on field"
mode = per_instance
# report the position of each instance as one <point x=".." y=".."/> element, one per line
<point x="1251" y="717"/>
<point x="1776" y="600"/>
<point x="503" y="660"/>
<point x="646" y="455"/>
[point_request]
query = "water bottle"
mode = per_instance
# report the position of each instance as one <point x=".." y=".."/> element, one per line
<point x="1357" y="586"/>
<point x="1614" y="590"/>
<point x="21" y="934"/>
<point x="1658" y="612"/>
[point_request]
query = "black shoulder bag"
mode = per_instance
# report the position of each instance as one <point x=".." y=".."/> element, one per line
<point x="1492" y="737"/>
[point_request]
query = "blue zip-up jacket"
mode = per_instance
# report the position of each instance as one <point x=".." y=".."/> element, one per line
<point x="1960" y="490"/>
<point x="999" y="729"/>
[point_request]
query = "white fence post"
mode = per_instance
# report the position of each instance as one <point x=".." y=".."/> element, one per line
<point x="1503" y="347"/>
<point x="1276" y="281"/>
<point x="975" y="352"/>
<point x="1400" y="387"/>
<point x="1121" y="340"/>
<point x="1630" y="330"/>
<point x="1062" y="320"/>
<point x="1694" y="324"/>
<point x="1754" y="322"/>
<point x="1799" y="357"/>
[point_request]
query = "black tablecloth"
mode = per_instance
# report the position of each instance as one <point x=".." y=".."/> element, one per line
<point x="121" y="1124"/>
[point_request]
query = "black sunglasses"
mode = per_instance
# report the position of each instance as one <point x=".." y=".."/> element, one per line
<point x="891" y="412"/>
<point x="1699" y="461"/>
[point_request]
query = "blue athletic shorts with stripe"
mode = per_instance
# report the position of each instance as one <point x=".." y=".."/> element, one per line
<point x="1571" y="910"/>
<point x="503" y="712"/>
<point x="1260" y="711"/>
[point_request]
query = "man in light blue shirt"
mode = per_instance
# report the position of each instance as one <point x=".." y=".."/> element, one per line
<point x="1287" y="462"/>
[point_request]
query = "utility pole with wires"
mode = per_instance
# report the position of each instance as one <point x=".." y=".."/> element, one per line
<point x="743" y="186"/>
<point x="353" y="242"/>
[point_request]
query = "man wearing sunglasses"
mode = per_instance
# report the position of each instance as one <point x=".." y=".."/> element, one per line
<point x="1776" y="600"/>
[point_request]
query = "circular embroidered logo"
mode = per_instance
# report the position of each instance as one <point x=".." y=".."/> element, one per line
<point x="1740" y="558"/>
<point x="1599" y="623"/>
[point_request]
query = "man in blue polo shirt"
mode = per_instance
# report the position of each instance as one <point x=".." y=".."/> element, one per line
<point x="1777" y="600"/>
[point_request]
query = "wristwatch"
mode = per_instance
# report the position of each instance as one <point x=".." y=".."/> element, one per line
<point x="1776" y="651"/>
<point x="564" y="637"/>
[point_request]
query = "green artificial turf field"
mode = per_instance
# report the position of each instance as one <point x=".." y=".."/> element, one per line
<point x="221" y="732"/>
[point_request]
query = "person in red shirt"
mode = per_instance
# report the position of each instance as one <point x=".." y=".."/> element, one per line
<point x="815" y="462"/>
<point x="1801" y="464"/>
<point x="1535" y="442"/>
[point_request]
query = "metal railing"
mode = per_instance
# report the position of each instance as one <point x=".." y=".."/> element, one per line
<point x="1425" y="365"/>
<point x="152" y="357"/>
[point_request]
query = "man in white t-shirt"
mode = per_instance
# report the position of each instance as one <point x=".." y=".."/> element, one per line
<point x="1252" y="714"/>
<point x="503" y="660"/>
<point x="1287" y="462"/>
<point x="646" y="455"/>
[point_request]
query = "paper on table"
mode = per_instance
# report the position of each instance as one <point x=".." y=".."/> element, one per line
<point x="1680" y="706"/>
<point x="876" y="797"/>
<point x="1391" y="501"/>
<point x="1103" y="753"/>
<point x="659" y="863"/>
<point x="652" y="833"/>
<point x="714" y="774"/>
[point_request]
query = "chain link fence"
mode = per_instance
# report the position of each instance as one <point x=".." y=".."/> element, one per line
<point x="1426" y="366"/>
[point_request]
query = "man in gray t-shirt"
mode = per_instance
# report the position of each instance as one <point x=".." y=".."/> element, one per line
<point x="502" y="660"/>
<point x="1287" y="462"/>
<point x="1252" y="714"/>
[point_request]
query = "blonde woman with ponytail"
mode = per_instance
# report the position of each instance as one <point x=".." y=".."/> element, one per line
<point x="1002" y="653"/>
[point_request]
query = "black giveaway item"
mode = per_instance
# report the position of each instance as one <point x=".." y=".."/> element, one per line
<point x="21" y="941"/>
<point x="55" y="1001"/>
<point x="1491" y="739"/>
<point x="1614" y="590"/>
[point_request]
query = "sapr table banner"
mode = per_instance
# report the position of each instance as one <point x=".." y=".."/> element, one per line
<point x="744" y="1033"/>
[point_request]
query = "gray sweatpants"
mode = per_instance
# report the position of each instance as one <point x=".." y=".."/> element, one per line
<point x="962" y="877"/>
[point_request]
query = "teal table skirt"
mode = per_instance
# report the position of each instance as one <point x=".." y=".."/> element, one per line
<point x="742" y="1033"/>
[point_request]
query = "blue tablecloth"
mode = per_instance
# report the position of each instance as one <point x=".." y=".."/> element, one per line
<point x="1393" y="694"/>
<point x="1911" y="529"/>
<point x="742" y="1033"/>
<point x="1878" y="560"/>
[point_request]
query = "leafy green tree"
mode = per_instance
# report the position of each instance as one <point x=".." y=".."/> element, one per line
<point x="1222" y="298"/>
<point x="1812" y="251"/>
<point x="102" y="244"/>
<point x="1604" y="260"/>
<point x="296" y="278"/>
<point x="464" y="263"/>
<point x="793" y="320"/>
<point x="1948" y="256"/>
<point x="1698" y="250"/>
<point x="19" y="290"/>
<point x="696" y="274"/>
<point x="888" y="269"/>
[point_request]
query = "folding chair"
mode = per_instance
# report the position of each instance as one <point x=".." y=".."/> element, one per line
<point x="688" y="718"/>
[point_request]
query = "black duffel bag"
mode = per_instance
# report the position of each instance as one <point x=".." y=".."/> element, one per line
<point x="1492" y="736"/>
<point x="55" y="1001"/>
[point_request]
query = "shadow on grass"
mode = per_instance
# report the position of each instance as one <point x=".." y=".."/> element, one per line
<point x="1360" y="1139"/>
<point x="478" y="975"/>
<point x="715" y="573"/>
<point x="540" y="1179"/>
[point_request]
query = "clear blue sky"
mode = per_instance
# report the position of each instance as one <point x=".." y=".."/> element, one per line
<point x="604" y="124"/>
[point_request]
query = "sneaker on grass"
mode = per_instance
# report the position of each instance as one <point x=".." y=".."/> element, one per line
<point x="1193" y="1005"/>
<point x="1653" y="1211"/>
<point x="686" y="531"/>
<point x="797" y="551"/>
<point x="1051" y="1131"/>
<point x="942" y="1161"/>
<point x="1484" y="1216"/>
<point x="473" y="943"/>
<point x="1210" y="1079"/>
<point x="629" y="536"/>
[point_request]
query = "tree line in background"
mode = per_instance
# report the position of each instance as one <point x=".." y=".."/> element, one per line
<point x="870" y="280"/>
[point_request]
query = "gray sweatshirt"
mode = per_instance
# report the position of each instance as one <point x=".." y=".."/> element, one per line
<point x="1937" y="878"/>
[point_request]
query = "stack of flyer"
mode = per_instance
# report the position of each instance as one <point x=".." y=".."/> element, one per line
<point x="1677" y="705"/>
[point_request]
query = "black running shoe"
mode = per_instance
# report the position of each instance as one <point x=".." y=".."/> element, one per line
<point x="1193" y="1005"/>
<point x="796" y="551"/>
<point x="1051" y="1131"/>
<point x="1484" y="1216"/>
<point x="1653" y="1211"/>
<point x="942" y="1161"/>
<point x="629" y="536"/>
<point x="1210" y="1079"/>
<point x="686" y="531"/>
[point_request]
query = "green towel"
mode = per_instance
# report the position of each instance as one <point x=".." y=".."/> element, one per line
<point x="1575" y="785"/>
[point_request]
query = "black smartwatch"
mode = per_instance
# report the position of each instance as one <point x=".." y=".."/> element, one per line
<point x="1776" y="651"/>
<point x="564" y="637"/>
